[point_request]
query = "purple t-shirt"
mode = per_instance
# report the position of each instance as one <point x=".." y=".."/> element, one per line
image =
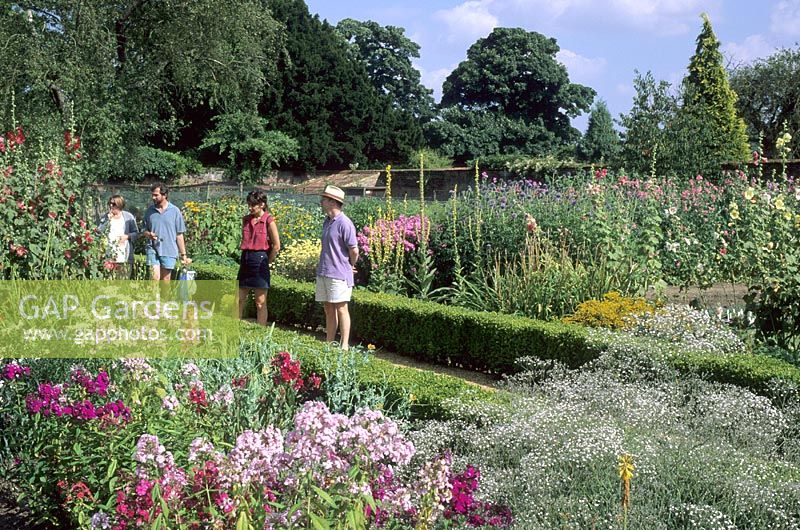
<point x="338" y="237"/>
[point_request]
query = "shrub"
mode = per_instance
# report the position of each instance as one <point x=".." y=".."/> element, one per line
<point x="149" y="162"/>
<point x="295" y="222"/>
<point x="252" y="150"/>
<point x="613" y="311"/>
<point x="299" y="261"/>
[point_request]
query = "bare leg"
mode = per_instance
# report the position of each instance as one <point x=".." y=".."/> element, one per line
<point x="242" y="301"/>
<point x="331" y="321"/>
<point x="166" y="274"/>
<point x="155" y="272"/>
<point x="261" y="306"/>
<point x="343" y="316"/>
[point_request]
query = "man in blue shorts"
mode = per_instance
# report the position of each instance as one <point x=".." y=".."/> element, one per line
<point x="163" y="230"/>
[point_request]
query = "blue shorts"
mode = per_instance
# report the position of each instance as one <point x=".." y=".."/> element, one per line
<point x="165" y="262"/>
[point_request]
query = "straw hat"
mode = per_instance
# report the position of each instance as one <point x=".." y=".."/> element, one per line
<point x="332" y="192"/>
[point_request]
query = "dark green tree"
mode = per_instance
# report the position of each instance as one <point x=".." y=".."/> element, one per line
<point x="124" y="71"/>
<point x="709" y="102"/>
<point x="324" y="99"/>
<point x="601" y="141"/>
<point x="769" y="96"/>
<point x="644" y="134"/>
<point x="514" y="73"/>
<point x="468" y="134"/>
<point x="386" y="53"/>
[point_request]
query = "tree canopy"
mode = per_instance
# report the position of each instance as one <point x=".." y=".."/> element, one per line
<point x="126" y="70"/>
<point x="709" y="102"/>
<point x="387" y="53"/>
<point x="644" y="136"/>
<point x="601" y="141"/>
<point x="514" y="74"/>
<point x="768" y="97"/>
<point x="325" y="100"/>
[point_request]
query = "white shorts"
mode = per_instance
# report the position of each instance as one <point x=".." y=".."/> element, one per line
<point x="332" y="290"/>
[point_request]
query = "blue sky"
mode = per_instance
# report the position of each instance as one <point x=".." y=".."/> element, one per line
<point x="602" y="41"/>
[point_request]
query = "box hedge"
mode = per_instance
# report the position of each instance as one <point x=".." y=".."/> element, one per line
<point x="429" y="331"/>
<point x="487" y="341"/>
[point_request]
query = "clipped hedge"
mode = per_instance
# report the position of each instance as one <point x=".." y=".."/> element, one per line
<point x="489" y="341"/>
<point x="755" y="372"/>
<point x="427" y="330"/>
<point x="429" y="390"/>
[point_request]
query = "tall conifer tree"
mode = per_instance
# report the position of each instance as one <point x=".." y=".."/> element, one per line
<point x="709" y="103"/>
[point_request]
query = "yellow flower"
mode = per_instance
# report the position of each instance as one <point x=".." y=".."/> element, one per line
<point x="749" y="194"/>
<point x="370" y="347"/>
<point x="734" y="210"/>
<point x="412" y="398"/>
<point x="626" y="467"/>
<point x="779" y="205"/>
<point x="797" y="221"/>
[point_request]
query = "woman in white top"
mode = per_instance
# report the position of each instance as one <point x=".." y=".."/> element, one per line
<point x="122" y="232"/>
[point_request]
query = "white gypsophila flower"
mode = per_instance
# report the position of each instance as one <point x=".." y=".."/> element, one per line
<point x="550" y="450"/>
<point x="689" y="328"/>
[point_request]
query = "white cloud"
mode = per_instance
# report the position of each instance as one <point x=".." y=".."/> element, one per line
<point x="663" y="17"/>
<point x="469" y="20"/>
<point x="786" y="18"/>
<point x="751" y="48"/>
<point x="580" y="68"/>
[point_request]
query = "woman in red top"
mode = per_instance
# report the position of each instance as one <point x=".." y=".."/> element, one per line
<point x="260" y="246"/>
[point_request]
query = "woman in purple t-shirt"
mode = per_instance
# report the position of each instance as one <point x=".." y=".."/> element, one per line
<point x="337" y="262"/>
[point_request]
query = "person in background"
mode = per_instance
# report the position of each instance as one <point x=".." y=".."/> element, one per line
<point x="337" y="261"/>
<point x="260" y="246"/>
<point x="164" y="229"/>
<point x="122" y="232"/>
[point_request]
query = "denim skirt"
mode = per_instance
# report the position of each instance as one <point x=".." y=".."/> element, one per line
<point x="254" y="270"/>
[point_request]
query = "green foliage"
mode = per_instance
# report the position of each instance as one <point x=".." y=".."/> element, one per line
<point x="513" y="76"/>
<point x="644" y="139"/>
<point x="413" y="327"/>
<point x="158" y="164"/>
<point x="477" y="339"/>
<point x="433" y="159"/>
<point x="767" y="94"/>
<point x="214" y="229"/>
<point x="252" y="150"/>
<point x="326" y="101"/>
<point x="299" y="261"/>
<point x="601" y="142"/>
<point x="140" y="69"/>
<point x="466" y="134"/>
<point x="386" y="53"/>
<point x="295" y="222"/>
<point x="709" y="105"/>
<point x="613" y="311"/>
